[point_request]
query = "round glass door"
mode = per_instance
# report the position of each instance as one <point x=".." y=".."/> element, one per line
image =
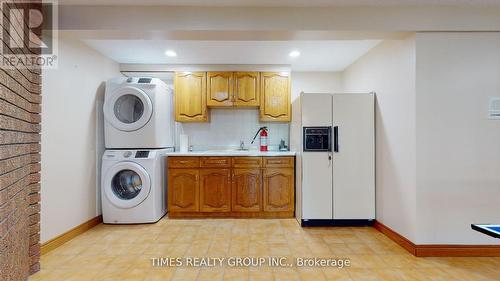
<point x="128" y="108"/>
<point x="126" y="184"/>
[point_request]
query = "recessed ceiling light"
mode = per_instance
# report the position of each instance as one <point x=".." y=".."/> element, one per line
<point x="170" y="53"/>
<point x="294" y="54"/>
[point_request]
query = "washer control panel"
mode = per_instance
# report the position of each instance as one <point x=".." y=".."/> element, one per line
<point x="128" y="154"/>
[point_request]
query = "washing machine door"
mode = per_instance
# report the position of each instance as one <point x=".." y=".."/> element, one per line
<point x="126" y="184"/>
<point x="128" y="109"/>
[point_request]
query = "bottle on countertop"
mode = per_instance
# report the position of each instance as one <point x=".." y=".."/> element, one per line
<point x="283" y="146"/>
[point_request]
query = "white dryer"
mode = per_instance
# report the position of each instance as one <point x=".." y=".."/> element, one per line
<point x="138" y="113"/>
<point x="133" y="186"/>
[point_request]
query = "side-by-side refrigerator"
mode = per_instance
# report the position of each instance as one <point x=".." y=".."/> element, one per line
<point x="334" y="137"/>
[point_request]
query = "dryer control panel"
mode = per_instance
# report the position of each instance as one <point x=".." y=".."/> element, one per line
<point x="142" y="154"/>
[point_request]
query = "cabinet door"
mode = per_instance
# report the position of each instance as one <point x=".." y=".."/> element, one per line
<point x="246" y="190"/>
<point x="190" y="97"/>
<point x="275" y="97"/>
<point x="215" y="190"/>
<point x="278" y="190"/>
<point x="183" y="190"/>
<point x="246" y="88"/>
<point x="220" y="89"/>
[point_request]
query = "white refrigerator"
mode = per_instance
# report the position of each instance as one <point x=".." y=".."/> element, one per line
<point x="333" y="135"/>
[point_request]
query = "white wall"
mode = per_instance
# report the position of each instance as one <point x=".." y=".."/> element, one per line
<point x="389" y="70"/>
<point x="69" y="136"/>
<point x="316" y="82"/>
<point x="458" y="148"/>
<point x="437" y="153"/>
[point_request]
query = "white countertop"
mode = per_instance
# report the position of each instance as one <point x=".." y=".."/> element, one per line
<point x="233" y="153"/>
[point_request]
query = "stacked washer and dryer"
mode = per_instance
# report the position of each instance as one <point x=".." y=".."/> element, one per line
<point x="138" y="132"/>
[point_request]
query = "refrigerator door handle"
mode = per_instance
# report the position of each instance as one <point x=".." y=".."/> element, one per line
<point x="336" y="139"/>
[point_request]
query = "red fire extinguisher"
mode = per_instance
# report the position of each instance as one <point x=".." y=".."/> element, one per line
<point x="263" y="138"/>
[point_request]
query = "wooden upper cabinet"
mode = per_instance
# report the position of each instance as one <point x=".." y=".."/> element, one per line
<point x="246" y="89"/>
<point x="233" y="89"/>
<point x="196" y="91"/>
<point x="246" y="190"/>
<point x="275" y="96"/>
<point x="215" y="190"/>
<point x="220" y="89"/>
<point x="183" y="187"/>
<point x="190" y="97"/>
<point x="278" y="188"/>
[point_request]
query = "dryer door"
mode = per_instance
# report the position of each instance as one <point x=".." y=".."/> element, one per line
<point x="128" y="109"/>
<point x="126" y="184"/>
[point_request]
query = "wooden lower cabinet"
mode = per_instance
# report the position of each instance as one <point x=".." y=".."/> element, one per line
<point x="246" y="188"/>
<point x="215" y="190"/>
<point x="278" y="187"/>
<point x="183" y="190"/>
<point x="231" y="187"/>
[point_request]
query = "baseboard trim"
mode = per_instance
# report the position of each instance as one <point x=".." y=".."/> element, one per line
<point x="448" y="250"/>
<point x="72" y="233"/>
<point x="336" y="222"/>
<point x="443" y="250"/>
<point x="396" y="237"/>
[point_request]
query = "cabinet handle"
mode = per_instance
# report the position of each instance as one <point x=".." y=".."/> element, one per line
<point x="235" y="86"/>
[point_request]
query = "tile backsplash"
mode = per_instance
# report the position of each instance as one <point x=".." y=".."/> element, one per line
<point x="226" y="127"/>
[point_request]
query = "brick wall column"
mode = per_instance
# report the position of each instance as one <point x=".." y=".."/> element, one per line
<point x="20" y="99"/>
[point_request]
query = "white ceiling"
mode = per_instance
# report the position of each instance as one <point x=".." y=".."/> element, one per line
<point x="328" y="55"/>
<point x="281" y="3"/>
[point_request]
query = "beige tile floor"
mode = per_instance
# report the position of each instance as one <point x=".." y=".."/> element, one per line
<point x="114" y="252"/>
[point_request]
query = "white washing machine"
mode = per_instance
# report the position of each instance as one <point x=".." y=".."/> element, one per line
<point x="138" y="113"/>
<point x="134" y="186"/>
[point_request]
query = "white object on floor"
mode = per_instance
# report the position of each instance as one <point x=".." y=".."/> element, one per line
<point x="138" y="113"/>
<point x="133" y="186"/>
<point x="335" y="157"/>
